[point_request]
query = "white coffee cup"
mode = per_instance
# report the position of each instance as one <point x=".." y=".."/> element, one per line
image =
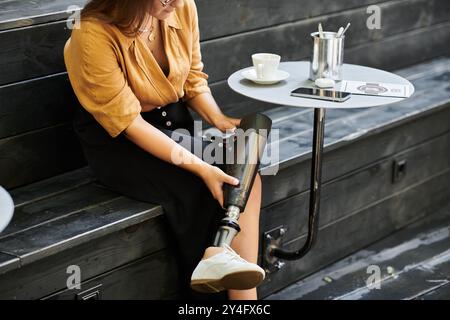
<point x="266" y="65"/>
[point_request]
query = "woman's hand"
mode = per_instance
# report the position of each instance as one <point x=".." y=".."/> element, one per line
<point x="224" y="123"/>
<point x="214" y="179"/>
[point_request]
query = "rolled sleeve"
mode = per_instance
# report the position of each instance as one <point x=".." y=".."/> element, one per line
<point x="98" y="81"/>
<point x="197" y="81"/>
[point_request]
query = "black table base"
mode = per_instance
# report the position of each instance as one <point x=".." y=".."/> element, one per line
<point x="273" y="241"/>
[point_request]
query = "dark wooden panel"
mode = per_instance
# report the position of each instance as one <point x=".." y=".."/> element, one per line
<point x="412" y="280"/>
<point x="8" y="262"/>
<point x="441" y="293"/>
<point x="361" y="152"/>
<point x="153" y="277"/>
<point x="37" y="50"/>
<point x="94" y="257"/>
<point x="20" y="13"/>
<point x="35" y="104"/>
<point x="38" y="155"/>
<point x="32" y="52"/>
<point x="251" y="14"/>
<point x="56" y="207"/>
<point x="397" y="17"/>
<point x="413" y="247"/>
<point x="286" y="41"/>
<point x="361" y="229"/>
<point x="403" y="50"/>
<point x="248" y="15"/>
<point x="240" y="16"/>
<point x="433" y="67"/>
<point x="52" y="186"/>
<point x="85" y="225"/>
<point x="407" y="286"/>
<point x="364" y="187"/>
<point x="20" y="113"/>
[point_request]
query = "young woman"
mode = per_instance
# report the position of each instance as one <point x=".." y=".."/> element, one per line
<point x="135" y="67"/>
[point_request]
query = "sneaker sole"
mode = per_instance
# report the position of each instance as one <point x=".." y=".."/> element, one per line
<point x="241" y="280"/>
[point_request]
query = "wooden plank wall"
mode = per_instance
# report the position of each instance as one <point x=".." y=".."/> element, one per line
<point x="35" y="95"/>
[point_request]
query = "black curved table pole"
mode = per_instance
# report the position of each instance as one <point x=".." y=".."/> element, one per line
<point x="314" y="197"/>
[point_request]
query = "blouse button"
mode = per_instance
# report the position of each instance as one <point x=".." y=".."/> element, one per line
<point x="168" y="123"/>
<point x="164" y="113"/>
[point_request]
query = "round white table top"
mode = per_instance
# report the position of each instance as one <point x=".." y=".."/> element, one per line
<point x="279" y="93"/>
<point x="6" y="208"/>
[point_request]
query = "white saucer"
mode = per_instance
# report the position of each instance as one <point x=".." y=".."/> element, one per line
<point x="250" y="74"/>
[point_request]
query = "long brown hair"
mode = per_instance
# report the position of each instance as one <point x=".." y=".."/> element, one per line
<point x="127" y="15"/>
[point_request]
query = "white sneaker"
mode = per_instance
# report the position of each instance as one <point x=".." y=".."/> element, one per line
<point x="226" y="270"/>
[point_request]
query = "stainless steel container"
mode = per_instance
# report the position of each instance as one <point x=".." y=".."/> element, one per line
<point x="327" y="57"/>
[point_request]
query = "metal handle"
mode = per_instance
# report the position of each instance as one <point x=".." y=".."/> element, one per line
<point x="93" y="293"/>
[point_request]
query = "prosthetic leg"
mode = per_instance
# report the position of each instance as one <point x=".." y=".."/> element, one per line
<point x="242" y="162"/>
<point x="243" y="153"/>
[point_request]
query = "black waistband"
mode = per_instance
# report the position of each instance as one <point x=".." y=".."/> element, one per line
<point x="172" y="116"/>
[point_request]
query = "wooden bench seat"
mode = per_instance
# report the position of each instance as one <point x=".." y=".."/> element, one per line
<point x="72" y="220"/>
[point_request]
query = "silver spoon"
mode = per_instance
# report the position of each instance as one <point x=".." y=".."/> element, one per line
<point x="340" y="35"/>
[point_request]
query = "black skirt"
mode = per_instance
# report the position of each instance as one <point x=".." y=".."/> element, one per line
<point x="192" y="214"/>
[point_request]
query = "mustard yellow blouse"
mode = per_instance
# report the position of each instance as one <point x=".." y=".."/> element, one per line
<point x="112" y="74"/>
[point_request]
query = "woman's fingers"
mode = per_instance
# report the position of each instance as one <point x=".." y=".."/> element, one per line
<point x="232" y="123"/>
<point x="216" y="180"/>
<point x="235" y="121"/>
<point x="229" y="179"/>
<point x="227" y="123"/>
